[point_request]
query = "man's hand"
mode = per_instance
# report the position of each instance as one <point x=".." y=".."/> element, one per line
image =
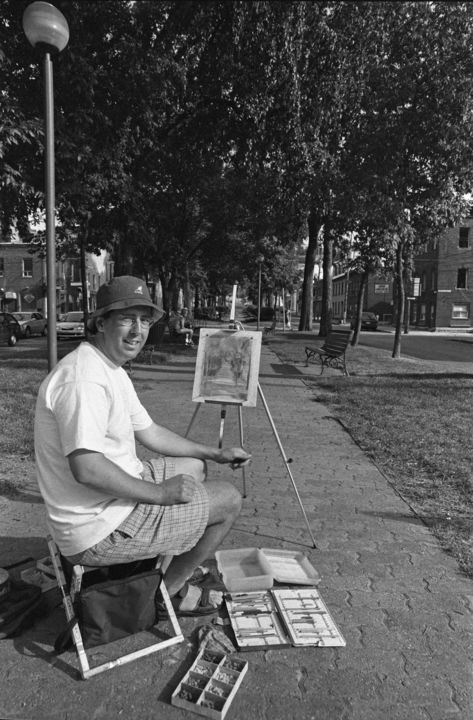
<point x="236" y="457"/>
<point x="177" y="490"/>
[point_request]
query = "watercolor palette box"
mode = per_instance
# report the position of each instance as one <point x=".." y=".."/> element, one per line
<point x="279" y="617"/>
<point x="210" y="685"/>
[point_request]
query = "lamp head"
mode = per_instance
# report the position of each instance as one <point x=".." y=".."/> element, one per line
<point x="45" y="27"/>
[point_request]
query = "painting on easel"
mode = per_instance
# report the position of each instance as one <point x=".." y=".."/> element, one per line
<point x="227" y="367"/>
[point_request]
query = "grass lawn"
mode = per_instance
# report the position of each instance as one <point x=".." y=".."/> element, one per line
<point x="413" y="418"/>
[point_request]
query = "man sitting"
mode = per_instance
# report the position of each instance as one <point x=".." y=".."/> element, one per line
<point x="104" y="505"/>
<point x="180" y="324"/>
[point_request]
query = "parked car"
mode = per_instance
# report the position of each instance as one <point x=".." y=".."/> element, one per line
<point x="10" y="330"/>
<point x="369" y="321"/>
<point x="71" y="326"/>
<point x="31" y="323"/>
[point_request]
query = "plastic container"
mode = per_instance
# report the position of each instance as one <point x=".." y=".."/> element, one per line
<point x="291" y="567"/>
<point x="249" y="569"/>
<point x="244" y="569"/>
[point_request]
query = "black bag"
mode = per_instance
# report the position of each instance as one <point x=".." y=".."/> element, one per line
<point x="19" y="608"/>
<point x="121" y="605"/>
<point x="114" y="609"/>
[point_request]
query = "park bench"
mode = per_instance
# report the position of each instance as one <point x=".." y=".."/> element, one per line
<point x="332" y="352"/>
<point x="271" y="329"/>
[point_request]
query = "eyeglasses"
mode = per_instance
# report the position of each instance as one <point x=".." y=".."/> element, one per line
<point x="129" y="320"/>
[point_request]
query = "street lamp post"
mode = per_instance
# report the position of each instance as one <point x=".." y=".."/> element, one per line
<point x="48" y="32"/>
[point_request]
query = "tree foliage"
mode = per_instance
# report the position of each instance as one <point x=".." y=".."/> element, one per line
<point x="193" y="136"/>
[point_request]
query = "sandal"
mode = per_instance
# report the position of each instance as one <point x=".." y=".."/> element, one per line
<point x="192" y="601"/>
<point x="204" y="576"/>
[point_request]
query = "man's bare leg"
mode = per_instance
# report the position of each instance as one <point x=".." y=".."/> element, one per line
<point x="225" y="506"/>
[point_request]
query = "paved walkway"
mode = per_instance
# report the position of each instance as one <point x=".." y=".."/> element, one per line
<point x="405" y="611"/>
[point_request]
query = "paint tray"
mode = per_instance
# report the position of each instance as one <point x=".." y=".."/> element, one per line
<point x="210" y="685"/>
<point x="244" y="569"/>
<point x="248" y="569"/>
<point x="290" y="567"/>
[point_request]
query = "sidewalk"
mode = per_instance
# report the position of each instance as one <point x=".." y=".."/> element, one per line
<point x="404" y="610"/>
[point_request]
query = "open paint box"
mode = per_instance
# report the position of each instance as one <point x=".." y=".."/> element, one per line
<point x="210" y="685"/>
<point x="246" y="569"/>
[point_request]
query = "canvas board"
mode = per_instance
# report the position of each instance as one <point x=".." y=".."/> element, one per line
<point x="227" y="367"/>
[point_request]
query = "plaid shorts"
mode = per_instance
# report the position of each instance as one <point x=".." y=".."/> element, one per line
<point x="151" y="530"/>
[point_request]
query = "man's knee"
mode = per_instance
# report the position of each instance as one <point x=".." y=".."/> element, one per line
<point x="236" y="500"/>
<point x="200" y="470"/>
<point x="191" y="466"/>
<point x="225" y="500"/>
<point x="233" y="499"/>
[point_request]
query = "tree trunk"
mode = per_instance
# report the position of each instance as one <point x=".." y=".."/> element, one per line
<point x="315" y="225"/>
<point x="162" y="280"/>
<point x="359" y="306"/>
<point x="327" y="310"/>
<point x="122" y="257"/>
<point x="398" y="278"/>
<point x="345" y="299"/>
<point x="187" y="288"/>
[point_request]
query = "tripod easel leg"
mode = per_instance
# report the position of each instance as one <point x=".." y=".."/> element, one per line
<point x="223" y="415"/>
<point x="240" y="425"/>
<point x="192" y="419"/>
<point x="286" y="462"/>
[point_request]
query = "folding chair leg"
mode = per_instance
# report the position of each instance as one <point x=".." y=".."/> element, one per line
<point x="85" y="670"/>
<point x="68" y="608"/>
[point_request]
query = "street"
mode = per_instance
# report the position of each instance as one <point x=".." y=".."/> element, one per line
<point x="425" y="346"/>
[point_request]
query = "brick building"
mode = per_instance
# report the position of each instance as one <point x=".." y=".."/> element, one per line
<point x="445" y="271"/>
<point x="23" y="279"/>
<point x="378" y="295"/>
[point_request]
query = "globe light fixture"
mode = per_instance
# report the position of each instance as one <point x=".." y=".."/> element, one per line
<point x="48" y="32"/>
<point x="45" y="27"/>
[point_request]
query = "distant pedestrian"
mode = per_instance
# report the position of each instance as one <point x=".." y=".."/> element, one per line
<point x="288" y="318"/>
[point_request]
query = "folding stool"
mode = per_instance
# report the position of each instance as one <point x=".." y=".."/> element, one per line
<point x="68" y="595"/>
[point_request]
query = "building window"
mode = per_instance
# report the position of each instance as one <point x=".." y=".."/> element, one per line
<point x="463" y="240"/>
<point x="460" y="312"/>
<point x="2" y="267"/>
<point x="432" y="279"/>
<point x="28" y="267"/>
<point x="462" y="278"/>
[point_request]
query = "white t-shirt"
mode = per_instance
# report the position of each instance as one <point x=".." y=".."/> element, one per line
<point x="86" y="402"/>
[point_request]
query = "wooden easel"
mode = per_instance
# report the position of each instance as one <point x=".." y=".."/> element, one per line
<point x="287" y="461"/>
<point x="223" y="414"/>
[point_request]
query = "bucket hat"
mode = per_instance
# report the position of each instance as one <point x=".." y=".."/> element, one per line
<point x="124" y="291"/>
